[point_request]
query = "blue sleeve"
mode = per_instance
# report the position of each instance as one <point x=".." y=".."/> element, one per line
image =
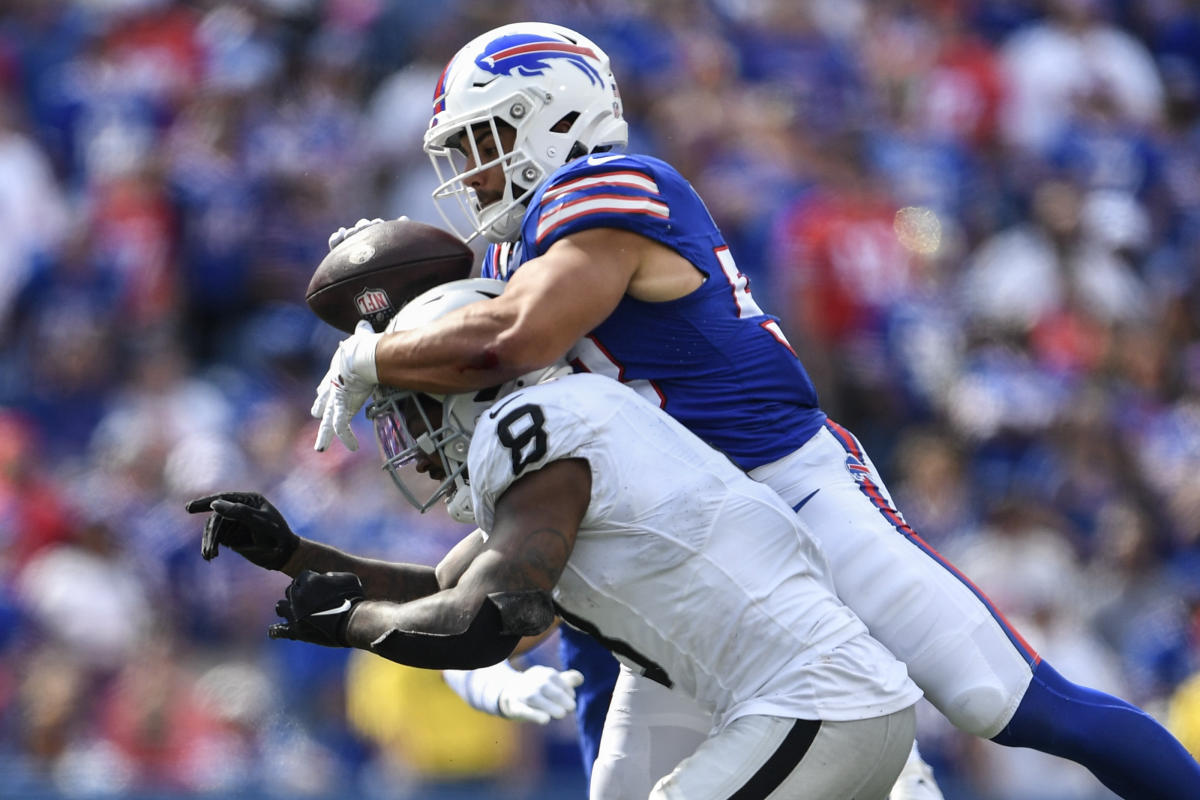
<point x="602" y="191"/>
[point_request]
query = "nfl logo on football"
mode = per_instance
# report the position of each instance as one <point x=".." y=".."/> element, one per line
<point x="370" y="301"/>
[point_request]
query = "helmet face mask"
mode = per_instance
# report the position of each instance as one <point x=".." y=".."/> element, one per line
<point x="426" y="437"/>
<point x="411" y="436"/>
<point x="463" y="158"/>
<point x="546" y="89"/>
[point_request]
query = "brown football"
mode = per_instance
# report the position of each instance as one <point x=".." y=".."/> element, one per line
<point x="377" y="270"/>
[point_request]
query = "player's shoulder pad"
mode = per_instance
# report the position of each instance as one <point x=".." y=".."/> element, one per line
<point x="529" y="429"/>
<point x="602" y="164"/>
<point x="606" y="190"/>
<point x="554" y="400"/>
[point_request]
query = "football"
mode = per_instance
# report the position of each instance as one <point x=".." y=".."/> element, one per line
<point x="374" y="272"/>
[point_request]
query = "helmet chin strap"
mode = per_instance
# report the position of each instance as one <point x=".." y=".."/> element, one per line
<point x="459" y="505"/>
<point x="506" y="226"/>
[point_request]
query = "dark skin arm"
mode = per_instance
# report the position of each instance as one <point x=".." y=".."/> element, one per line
<point x="396" y="581"/>
<point x="248" y="524"/>
<point x="456" y="562"/>
<point x="536" y="522"/>
<point x="549" y="304"/>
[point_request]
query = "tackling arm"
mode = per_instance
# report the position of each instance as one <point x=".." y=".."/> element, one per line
<point x="550" y="303"/>
<point x="504" y="592"/>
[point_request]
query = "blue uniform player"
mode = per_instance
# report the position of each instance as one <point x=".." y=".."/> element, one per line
<point x="613" y="259"/>
<point x="660" y="349"/>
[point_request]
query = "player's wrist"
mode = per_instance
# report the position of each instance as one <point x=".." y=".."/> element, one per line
<point x="355" y="629"/>
<point x="297" y="558"/>
<point x="366" y="358"/>
<point x="362" y="356"/>
<point x="342" y="631"/>
<point x="482" y="688"/>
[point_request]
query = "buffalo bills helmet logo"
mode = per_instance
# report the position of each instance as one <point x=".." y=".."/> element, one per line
<point x="530" y="54"/>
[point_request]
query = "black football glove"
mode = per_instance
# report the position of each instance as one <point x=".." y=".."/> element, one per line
<point x="247" y="524"/>
<point x="317" y="608"/>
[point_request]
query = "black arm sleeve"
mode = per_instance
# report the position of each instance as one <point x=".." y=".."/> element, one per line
<point x="489" y="638"/>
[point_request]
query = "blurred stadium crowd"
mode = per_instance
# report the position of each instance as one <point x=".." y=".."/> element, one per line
<point x="978" y="221"/>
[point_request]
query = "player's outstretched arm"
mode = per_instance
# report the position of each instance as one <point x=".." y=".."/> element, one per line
<point x="393" y="580"/>
<point x="248" y="524"/>
<point x="502" y="595"/>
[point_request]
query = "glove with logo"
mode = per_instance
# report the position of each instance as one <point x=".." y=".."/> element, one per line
<point x="247" y="524"/>
<point x="317" y="608"/>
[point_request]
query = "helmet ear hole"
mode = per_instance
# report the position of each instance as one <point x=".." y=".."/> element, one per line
<point x="564" y="124"/>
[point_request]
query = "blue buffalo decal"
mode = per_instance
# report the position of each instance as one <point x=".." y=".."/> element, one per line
<point x="527" y="54"/>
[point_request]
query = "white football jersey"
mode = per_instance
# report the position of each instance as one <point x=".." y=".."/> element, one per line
<point x="688" y="569"/>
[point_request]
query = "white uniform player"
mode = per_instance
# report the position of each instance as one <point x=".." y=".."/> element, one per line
<point x="664" y="571"/>
<point x="662" y="568"/>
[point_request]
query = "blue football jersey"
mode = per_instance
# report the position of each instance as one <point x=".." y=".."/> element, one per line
<point x="712" y="359"/>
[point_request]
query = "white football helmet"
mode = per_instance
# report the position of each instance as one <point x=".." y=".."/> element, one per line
<point x="407" y="426"/>
<point x="530" y="76"/>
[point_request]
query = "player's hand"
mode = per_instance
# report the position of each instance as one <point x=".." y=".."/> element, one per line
<point x="248" y="524"/>
<point x="316" y="607"/>
<point x="540" y="694"/>
<point x="346" y="386"/>
<point x="342" y="234"/>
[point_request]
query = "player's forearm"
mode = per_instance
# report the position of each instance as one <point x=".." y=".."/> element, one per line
<point x="394" y="581"/>
<point x="445" y="631"/>
<point x="452" y="629"/>
<point x="463" y="352"/>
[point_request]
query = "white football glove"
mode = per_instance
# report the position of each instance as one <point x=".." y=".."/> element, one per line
<point x="346" y="386"/>
<point x="539" y="694"/>
<point x="342" y="234"/>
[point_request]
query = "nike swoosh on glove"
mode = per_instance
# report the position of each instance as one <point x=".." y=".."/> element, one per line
<point x="317" y="607"/>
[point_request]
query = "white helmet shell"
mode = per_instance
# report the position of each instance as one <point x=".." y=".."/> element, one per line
<point x="534" y="78"/>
